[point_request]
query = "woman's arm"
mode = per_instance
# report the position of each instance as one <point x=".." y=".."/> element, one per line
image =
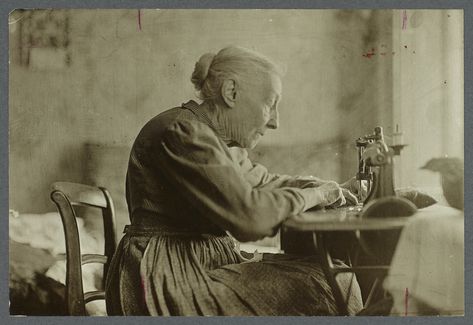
<point x="270" y="180"/>
<point x="259" y="176"/>
<point x="202" y="169"/>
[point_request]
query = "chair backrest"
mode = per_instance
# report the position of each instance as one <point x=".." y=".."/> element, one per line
<point x="67" y="196"/>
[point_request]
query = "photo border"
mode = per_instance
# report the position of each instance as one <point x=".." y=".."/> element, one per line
<point x="7" y="6"/>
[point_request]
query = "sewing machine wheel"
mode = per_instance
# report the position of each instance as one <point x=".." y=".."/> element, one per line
<point x="381" y="244"/>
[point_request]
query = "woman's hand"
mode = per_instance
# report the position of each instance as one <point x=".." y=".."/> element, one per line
<point x="329" y="194"/>
<point x="350" y="198"/>
<point x="334" y="196"/>
<point x="353" y="186"/>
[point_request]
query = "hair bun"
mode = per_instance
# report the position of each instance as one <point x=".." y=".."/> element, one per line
<point x="201" y="70"/>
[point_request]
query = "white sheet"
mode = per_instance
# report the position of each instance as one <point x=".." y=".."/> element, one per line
<point x="428" y="265"/>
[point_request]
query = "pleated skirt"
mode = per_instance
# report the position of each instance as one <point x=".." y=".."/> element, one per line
<point x="199" y="275"/>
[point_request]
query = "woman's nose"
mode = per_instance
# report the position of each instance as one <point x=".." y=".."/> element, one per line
<point x="273" y="122"/>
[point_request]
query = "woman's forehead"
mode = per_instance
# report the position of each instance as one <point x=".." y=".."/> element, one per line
<point x="274" y="85"/>
<point x="264" y="84"/>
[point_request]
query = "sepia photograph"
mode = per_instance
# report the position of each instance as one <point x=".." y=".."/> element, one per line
<point x="236" y="162"/>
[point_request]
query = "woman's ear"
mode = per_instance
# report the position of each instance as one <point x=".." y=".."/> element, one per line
<point x="229" y="92"/>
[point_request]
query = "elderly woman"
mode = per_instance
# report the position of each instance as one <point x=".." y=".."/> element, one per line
<point x="190" y="184"/>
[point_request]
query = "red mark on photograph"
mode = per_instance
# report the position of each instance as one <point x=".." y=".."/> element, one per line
<point x="404" y="19"/>
<point x="369" y="54"/>
<point x="406" y="301"/>
<point x="143" y="290"/>
<point x="139" y="19"/>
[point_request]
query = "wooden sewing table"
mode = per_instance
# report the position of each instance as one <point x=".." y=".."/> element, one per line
<point x="320" y="223"/>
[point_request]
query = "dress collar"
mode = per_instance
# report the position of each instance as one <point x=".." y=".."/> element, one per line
<point x="203" y="117"/>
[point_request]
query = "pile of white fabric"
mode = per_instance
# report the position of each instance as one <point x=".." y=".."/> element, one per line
<point x="45" y="231"/>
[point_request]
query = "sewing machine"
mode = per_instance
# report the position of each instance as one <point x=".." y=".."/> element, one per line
<point x="376" y="164"/>
<point x="374" y="226"/>
<point x="376" y="167"/>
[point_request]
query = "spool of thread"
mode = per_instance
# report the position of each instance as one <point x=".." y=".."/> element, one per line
<point x="397" y="137"/>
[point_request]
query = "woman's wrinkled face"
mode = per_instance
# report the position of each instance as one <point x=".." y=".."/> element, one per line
<point x="256" y="109"/>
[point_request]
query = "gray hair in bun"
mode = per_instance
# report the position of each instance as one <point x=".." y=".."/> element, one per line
<point x="231" y="62"/>
<point x="201" y="70"/>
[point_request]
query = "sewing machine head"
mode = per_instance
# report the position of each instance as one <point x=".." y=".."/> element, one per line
<point x="376" y="164"/>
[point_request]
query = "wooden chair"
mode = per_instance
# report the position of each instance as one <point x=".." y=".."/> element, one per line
<point x="67" y="196"/>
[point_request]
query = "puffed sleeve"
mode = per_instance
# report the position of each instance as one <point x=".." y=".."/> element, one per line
<point x="201" y="167"/>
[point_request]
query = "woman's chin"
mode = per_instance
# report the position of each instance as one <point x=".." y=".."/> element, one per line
<point x="250" y="143"/>
<point x="253" y="144"/>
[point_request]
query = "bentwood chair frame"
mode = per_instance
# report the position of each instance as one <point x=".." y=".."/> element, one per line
<point x="67" y="196"/>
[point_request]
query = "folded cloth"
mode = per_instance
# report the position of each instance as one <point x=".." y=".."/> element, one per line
<point x="427" y="270"/>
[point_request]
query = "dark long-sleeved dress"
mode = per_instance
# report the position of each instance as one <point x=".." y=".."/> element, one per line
<point x="186" y="187"/>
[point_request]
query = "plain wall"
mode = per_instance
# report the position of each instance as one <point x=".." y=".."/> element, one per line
<point x="428" y="90"/>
